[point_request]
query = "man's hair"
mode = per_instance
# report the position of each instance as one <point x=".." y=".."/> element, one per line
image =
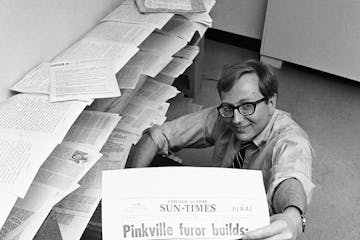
<point x="268" y="82"/>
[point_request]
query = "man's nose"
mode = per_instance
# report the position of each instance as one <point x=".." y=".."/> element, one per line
<point x="237" y="118"/>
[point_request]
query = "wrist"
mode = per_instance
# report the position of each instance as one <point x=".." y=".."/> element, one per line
<point x="297" y="217"/>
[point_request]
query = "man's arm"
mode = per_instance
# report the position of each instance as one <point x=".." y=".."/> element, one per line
<point x="289" y="203"/>
<point x="142" y="153"/>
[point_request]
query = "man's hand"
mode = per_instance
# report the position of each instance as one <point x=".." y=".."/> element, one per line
<point x="282" y="226"/>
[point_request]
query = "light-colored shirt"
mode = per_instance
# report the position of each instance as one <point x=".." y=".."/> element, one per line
<point x="282" y="149"/>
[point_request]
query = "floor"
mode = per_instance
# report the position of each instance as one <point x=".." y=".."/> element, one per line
<point x="327" y="107"/>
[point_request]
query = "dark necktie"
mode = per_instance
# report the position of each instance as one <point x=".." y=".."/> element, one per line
<point x="240" y="156"/>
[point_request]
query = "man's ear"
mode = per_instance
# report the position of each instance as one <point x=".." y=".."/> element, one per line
<point x="272" y="103"/>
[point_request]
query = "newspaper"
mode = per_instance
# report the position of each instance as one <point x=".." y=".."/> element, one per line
<point x="191" y="203"/>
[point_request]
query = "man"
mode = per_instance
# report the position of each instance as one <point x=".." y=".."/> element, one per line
<point x="247" y="131"/>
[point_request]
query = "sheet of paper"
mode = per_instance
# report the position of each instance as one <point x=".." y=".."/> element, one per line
<point x="176" y="67"/>
<point x="128" y="76"/>
<point x="203" y="17"/>
<point x="159" y="107"/>
<point x="7" y="202"/>
<point x="33" y="115"/>
<point x="169" y="4"/>
<point x="163" y="43"/>
<point x="188" y="52"/>
<point x="91" y="48"/>
<point x="20" y="159"/>
<point x="156" y="91"/>
<point x="35" y="81"/>
<point x="82" y="80"/>
<point x="137" y="124"/>
<point x="117" y="147"/>
<point x="66" y="166"/>
<point x="28" y="214"/>
<point x="91" y="129"/>
<point x="152" y="63"/>
<point x="127" y="12"/>
<point x="151" y="208"/>
<point x="181" y="27"/>
<point x="164" y="79"/>
<point x="121" y="32"/>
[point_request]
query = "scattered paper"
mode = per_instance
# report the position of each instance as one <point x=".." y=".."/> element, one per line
<point x="152" y="63"/>
<point x="7" y="202"/>
<point x="127" y="12"/>
<point x="181" y="27"/>
<point x="128" y="76"/>
<point x="35" y="81"/>
<point x="163" y="43"/>
<point x="91" y="129"/>
<point x="156" y="91"/>
<point x="121" y="32"/>
<point x="92" y="48"/>
<point x="176" y="67"/>
<point x="82" y="81"/>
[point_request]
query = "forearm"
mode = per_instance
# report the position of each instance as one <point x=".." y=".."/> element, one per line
<point x="290" y="192"/>
<point x="142" y="153"/>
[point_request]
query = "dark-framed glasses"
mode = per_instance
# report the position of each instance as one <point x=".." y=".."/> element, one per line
<point x="245" y="109"/>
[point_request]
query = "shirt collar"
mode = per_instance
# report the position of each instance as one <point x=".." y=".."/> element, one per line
<point x="263" y="136"/>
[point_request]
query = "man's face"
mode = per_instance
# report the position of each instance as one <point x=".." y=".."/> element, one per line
<point x="246" y="90"/>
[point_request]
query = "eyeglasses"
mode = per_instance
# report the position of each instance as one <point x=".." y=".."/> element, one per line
<point x="227" y="110"/>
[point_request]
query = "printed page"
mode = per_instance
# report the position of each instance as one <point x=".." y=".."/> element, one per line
<point x="29" y="213"/>
<point x="163" y="43"/>
<point x="169" y="4"/>
<point x="127" y="12"/>
<point x="152" y="63"/>
<point x="176" y="67"/>
<point x="156" y="91"/>
<point x="117" y="147"/>
<point x="121" y="32"/>
<point x="203" y="17"/>
<point x="7" y="202"/>
<point x="160" y="107"/>
<point x="66" y="166"/>
<point x="91" y="48"/>
<point x="82" y="80"/>
<point x="128" y="76"/>
<point x="92" y="129"/>
<point x="35" y="81"/>
<point x="137" y="124"/>
<point x="33" y="115"/>
<point x="181" y="27"/>
<point x="20" y="159"/>
<point x="158" y="209"/>
<point x="188" y="52"/>
<point x="164" y="79"/>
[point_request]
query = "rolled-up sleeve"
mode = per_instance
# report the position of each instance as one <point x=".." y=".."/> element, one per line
<point x="292" y="158"/>
<point x="192" y="130"/>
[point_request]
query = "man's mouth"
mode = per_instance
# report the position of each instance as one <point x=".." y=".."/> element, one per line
<point x="241" y="128"/>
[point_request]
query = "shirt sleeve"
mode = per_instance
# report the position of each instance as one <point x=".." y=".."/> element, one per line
<point x="292" y="158"/>
<point x="192" y="130"/>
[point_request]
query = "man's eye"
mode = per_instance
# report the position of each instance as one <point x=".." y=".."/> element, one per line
<point x="247" y="106"/>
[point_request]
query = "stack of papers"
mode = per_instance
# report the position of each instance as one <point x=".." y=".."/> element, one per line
<point x="172" y="6"/>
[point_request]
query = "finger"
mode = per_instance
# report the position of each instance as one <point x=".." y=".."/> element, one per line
<point x="267" y="231"/>
<point x="282" y="236"/>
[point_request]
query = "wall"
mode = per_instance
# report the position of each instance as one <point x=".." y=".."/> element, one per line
<point x="322" y="34"/>
<point x="35" y="31"/>
<point x="243" y="17"/>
